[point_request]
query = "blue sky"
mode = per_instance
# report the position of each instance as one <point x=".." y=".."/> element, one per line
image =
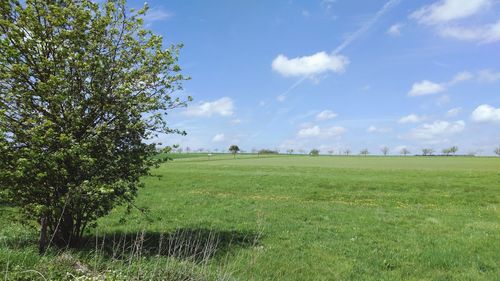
<point x="336" y="74"/>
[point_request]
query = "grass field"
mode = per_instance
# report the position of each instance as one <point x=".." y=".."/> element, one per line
<point x="296" y="218"/>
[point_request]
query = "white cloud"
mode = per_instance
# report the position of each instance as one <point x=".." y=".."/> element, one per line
<point x="437" y="129"/>
<point x="236" y="121"/>
<point x="443" y="15"/>
<point x="281" y="98"/>
<point x="326" y="115"/>
<point x="373" y="129"/>
<point x="460" y="77"/>
<point x="317" y="132"/>
<point x="449" y="10"/>
<point x="223" y="107"/>
<point x="219" y="138"/>
<point x="318" y="63"/>
<point x="156" y="14"/>
<point x="306" y="13"/>
<point x="486" y="113"/>
<point x="412" y="118"/>
<point x="487" y="75"/>
<point x="485" y="33"/>
<point x="395" y="29"/>
<point x="453" y="112"/>
<point x="425" y="87"/>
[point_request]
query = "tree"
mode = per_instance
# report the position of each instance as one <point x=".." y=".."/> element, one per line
<point x="451" y="150"/>
<point x="82" y="86"/>
<point x="364" y="152"/>
<point x="454" y="149"/>
<point x="330" y="152"/>
<point x="384" y="150"/>
<point x="289" y="151"/>
<point x="497" y="151"/>
<point x="427" y="151"/>
<point x="234" y="149"/>
<point x="314" y="152"/>
<point x="404" y="151"/>
<point x="347" y="151"/>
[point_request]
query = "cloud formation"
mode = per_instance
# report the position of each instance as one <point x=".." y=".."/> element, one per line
<point x="447" y="16"/>
<point x="436" y="130"/>
<point x="222" y="107"/>
<point x="395" y="29"/>
<point x="219" y="138"/>
<point x="412" y="118"/>
<point x="426" y="87"/>
<point x="326" y="115"/>
<point x="312" y="65"/>
<point x="449" y="10"/>
<point x="317" y="132"/>
<point x="486" y="113"/>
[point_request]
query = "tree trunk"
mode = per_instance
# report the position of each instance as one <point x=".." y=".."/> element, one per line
<point x="42" y="242"/>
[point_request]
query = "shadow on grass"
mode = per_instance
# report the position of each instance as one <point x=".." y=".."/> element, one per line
<point x="190" y="244"/>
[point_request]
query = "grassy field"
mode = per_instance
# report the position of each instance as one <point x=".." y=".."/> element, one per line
<point x="291" y="218"/>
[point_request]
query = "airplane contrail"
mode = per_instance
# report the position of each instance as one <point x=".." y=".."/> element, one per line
<point x="348" y="41"/>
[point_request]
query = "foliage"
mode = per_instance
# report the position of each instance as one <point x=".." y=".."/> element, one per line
<point x="314" y="152"/>
<point x="427" y="151"/>
<point x="385" y="150"/>
<point x="82" y="86"/>
<point x="234" y="149"/>
<point x="269" y="151"/>
<point x="405" y="151"/>
<point x="497" y="151"/>
<point x="364" y="151"/>
<point x="451" y="150"/>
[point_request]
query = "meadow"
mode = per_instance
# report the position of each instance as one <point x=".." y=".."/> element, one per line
<point x="287" y="217"/>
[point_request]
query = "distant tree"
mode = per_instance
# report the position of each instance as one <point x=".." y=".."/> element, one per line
<point x="289" y="151"/>
<point x="384" y="150"/>
<point x="446" y="151"/>
<point x="302" y="151"/>
<point x="216" y="150"/>
<point x="314" y="152"/>
<point x="330" y="152"/>
<point x="364" y="152"/>
<point x="234" y="149"/>
<point x="179" y="150"/>
<point x="83" y="85"/>
<point x="254" y="150"/>
<point x="427" y="151"/>
<point x="347" y="152"/>
<point x="188" y="149"/>
<point x="404" y="151"/>
<point x="454" y="149"/>
<point x="497" y="151"/>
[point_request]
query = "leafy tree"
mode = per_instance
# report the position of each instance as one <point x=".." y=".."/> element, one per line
<point x="364" y="152"/>
<point x="314" y="152"/>
<point x="384" y="150"/>
<point x="497" y="151"/>
<point x="454" y="149"/>
<point x="427" y="151"/>
<point x="234" y="149"/>
<point x="405" y="151"/>
<point x="347" y="151"/>
<point x="82" y="86"/>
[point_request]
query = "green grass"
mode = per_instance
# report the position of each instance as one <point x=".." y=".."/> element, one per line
<point x="309" y="218"/>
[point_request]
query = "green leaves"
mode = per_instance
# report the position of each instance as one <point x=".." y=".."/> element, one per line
<point x="82" y="87"/>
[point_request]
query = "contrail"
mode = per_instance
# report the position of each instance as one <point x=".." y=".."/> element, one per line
<point x="348" y="41"/>
<point x="351" y="38"/>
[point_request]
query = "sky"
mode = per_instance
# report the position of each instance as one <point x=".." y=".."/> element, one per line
<point x="335" y="74"/>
